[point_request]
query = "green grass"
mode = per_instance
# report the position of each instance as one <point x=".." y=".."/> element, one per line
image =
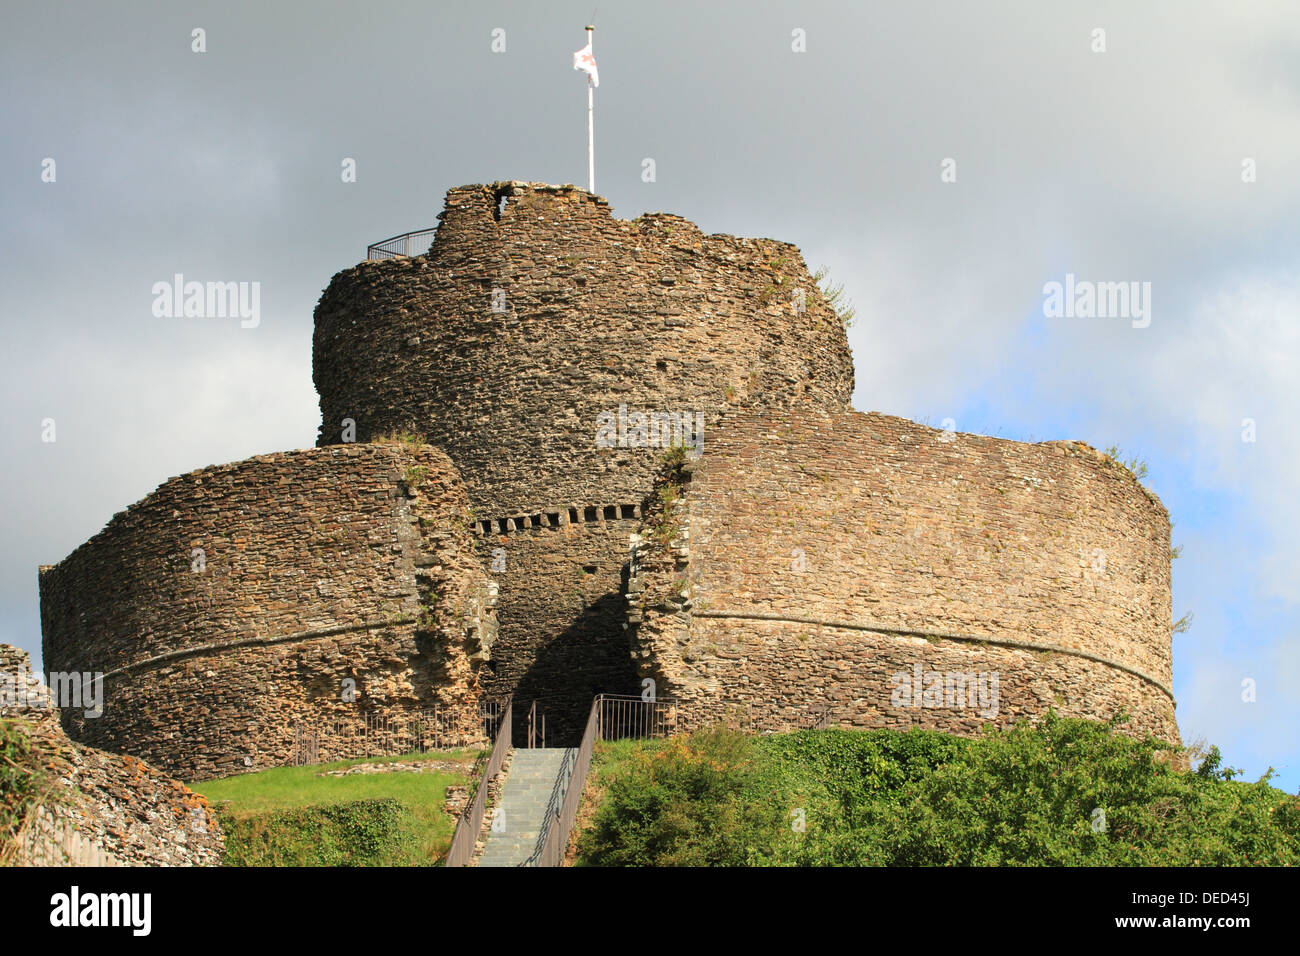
<point x="294" y="816"/>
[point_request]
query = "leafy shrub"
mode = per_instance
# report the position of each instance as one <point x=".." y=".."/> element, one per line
<point x="697" y="800"/>
<point x="1065" y="792"/>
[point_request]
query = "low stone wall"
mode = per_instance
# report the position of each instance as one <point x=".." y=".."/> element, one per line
<point x="110" y="810"/>
<point x="862" y="566"/>
<point x="241" y="602"/>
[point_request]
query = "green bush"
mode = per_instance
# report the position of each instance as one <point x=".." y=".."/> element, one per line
<point x="1066" y="792"/>
<point x="698" y="800"/>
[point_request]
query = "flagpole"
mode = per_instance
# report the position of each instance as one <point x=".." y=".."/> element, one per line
<point x="591" y="128"/>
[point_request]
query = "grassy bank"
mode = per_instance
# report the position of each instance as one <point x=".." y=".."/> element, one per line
<point x="298" y="816"/>
<point x="1065" y="793"/>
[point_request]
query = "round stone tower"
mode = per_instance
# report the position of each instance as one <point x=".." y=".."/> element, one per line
<point x="555" y="353"/>
<point x="276" y="610"/>
<point x="864" y="570"/>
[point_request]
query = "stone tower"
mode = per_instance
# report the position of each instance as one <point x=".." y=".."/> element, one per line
<point x="535" y="318"/>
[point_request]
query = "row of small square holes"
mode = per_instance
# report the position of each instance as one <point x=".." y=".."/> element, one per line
<point x="551" y="519"/>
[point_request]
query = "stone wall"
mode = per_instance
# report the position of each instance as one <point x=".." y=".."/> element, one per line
<point x="238" y="604"/>
<point x="110" y="809"/>
<point x="822" y="565"/>
<point x="561" y="574"/>
<point x="593" y="316"/>
<point x="598" y="312"/>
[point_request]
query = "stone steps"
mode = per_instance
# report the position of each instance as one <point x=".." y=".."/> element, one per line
<point x="527" y="792"/>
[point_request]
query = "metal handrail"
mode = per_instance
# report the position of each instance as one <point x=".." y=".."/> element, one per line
<point x="559" y="818"/>
<point x="628" y="716"/>
<point x="379" y="733"/>
<point x="553" y="815"/>
<point x="382" y="250"/>
<point x="471" y="821"/>
<point x="536" y="727"/>
<point x="612" y="715"/>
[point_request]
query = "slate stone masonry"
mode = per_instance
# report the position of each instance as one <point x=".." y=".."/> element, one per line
<point x="827" y="559"/>
<point x="240" y="602"/>
<point x="534" y="313"/>
<point x="808" y="557"/>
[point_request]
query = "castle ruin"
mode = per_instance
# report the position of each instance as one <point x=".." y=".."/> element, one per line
<point x="488" y="513"/>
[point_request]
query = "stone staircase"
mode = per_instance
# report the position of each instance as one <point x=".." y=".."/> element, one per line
<point x="527" y="791"/>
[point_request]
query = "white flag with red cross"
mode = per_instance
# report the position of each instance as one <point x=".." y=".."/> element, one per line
<point x="585" y="60"/>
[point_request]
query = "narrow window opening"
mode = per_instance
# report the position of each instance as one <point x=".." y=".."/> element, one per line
<point x="553" y="519"/>
<point x="629" y="511"/>
<point x="503" y="525"/>
<point x="573" y="516"/>
<point x="590" y="515"/>
<point x="611" y="512"/>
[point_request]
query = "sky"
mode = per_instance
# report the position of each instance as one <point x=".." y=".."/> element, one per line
<point x="944" y="161"/>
